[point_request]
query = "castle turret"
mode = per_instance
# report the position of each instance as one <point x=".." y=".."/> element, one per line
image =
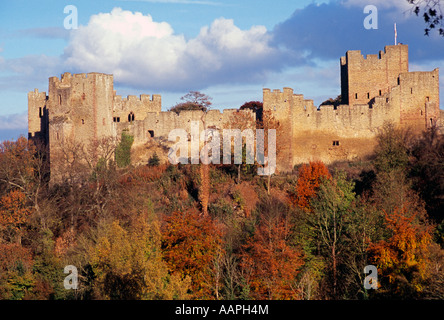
<point x="37" y="115"/>
<point x="362" y="79"/>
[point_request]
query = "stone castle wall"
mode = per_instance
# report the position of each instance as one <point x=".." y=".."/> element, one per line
<point x="385" y="91"/>
<point x="364" y="78"/>
<point x="379" y="88"/>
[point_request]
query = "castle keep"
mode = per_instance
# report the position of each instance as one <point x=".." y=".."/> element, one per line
<point x="374" y="89"/>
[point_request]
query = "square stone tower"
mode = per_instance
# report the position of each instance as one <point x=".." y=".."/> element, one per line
<point x="363" y="79"/>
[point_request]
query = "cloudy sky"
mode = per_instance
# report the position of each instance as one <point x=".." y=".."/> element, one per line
<point x="227" y="49"/>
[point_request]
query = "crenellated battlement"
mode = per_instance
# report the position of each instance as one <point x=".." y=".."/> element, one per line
<point x="142" y="98"/>
<point x="363" y="78"/>
<point x="375" y="88"/>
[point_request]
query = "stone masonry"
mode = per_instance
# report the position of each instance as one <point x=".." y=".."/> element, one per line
<point x="374" y="89"/>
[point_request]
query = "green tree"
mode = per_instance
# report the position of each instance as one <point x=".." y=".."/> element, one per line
<point x="331" y="213"/>
<point x="154" y="160"/>
<point x="127" y="263"/>
<point x="194" y="100"/>
<point x="427" y="172"/>
<point x="123" y="150"/>
<point x="391" y="186"/>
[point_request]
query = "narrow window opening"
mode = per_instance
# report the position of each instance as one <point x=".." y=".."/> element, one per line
<point x="335" y="143"/>
<point x="40" y="112"/>
<point x="131" y="117"/>
<point x="356" y="96"/>
<point x="151" y="133"/>
<point x="427" y="99"/>
<point x="83" y="121"/>
<point x="368" y="95"/>
<point x="411" y="90"/>
<point x="380" y="92"/>
<point x="431" y="122"/>
<point x="60" y="99"/>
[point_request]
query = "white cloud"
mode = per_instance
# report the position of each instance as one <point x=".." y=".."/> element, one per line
<point x="380" y="4"/>
<point x="140" y="51"/>
<point x="16" y="121"/>
<point x="178" y="2"/>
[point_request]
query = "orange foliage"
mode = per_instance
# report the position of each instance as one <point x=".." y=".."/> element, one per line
<point x="204" y="192"/>
<point x="144" y="174"/>
<point x="407" y="249"/>
<point x="13" y="209"/>
<point x="17" y="158"/>
<point x="270" y="264"/>
<point x="190" y="243"/>
<point x="12" y="254"/>
<point x="308" y="182"/>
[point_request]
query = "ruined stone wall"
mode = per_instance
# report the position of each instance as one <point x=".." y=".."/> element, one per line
<point x="132" y="108"/>
<point x="347" y="132"/>
<point x="419" y="99"/>
<point x="79" y="113"/>
<point x="365" y="78"/>
<point x="80" y="107"/>
<point x="37" y="115"/>
<point x="160" y="124"/>
<point x="84" y="108"/>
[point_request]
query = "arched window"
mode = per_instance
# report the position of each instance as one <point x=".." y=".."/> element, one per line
<point x="131" y="117"/>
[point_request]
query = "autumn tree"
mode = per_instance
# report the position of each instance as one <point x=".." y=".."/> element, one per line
<point x="269" y="262"/>
<point x="24" y="167"/>
<point x="14" y="213"/>
<point x="16" y="278"/>
<point x="127" y="263"/>
<point x="309" y="178"/>
<point x="190" y="245"/>
<point x="402" y="258"/>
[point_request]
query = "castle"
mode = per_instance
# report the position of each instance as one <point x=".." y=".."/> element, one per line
<point x="374" y="89"/>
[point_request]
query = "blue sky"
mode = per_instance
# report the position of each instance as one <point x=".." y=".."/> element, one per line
<point x="229" y="50"/>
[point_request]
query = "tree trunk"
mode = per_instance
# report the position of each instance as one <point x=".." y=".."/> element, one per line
<point x="333" y="255"/>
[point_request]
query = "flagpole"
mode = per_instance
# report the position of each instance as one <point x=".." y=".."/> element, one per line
<point x="396" y="36"/>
